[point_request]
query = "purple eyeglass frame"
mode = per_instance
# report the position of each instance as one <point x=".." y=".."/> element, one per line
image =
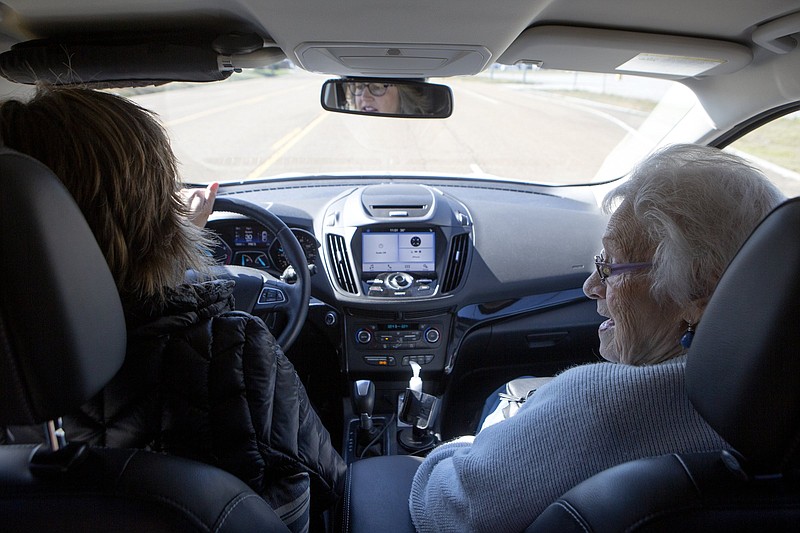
<point x="605" y="270"/>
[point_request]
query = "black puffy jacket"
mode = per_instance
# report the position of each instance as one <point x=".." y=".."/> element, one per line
<point x="205" y="382"/>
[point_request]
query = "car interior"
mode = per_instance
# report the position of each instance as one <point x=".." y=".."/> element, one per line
<point x="405" y="291"/>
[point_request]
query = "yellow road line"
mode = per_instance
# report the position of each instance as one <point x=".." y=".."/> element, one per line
<point x="286" y="143"/>
<point x="286" y="138"/>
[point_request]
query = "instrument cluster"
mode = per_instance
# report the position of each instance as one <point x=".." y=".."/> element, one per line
<point x="249" y="244"/>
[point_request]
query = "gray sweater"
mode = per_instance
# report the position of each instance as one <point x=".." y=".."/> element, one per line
<point x="586" y="420"/>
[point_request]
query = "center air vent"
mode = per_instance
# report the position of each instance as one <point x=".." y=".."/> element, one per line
<point x="397" y="201"/>
<point x="340" y="260"/>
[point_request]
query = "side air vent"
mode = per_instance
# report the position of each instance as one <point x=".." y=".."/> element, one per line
<point x="456" y="262"/>
<point x="341" y="263"/>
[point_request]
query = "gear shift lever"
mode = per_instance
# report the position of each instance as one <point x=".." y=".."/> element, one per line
<point x="364" y="402"/>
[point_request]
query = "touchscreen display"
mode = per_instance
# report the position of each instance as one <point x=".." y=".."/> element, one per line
<point x="398" y="251"/>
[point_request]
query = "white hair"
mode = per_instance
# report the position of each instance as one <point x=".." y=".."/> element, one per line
<point x="697" y="206"/>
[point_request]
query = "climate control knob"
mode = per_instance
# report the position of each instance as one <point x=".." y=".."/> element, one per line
<point x="432" y="335"/>
<point x="363" y="336"/>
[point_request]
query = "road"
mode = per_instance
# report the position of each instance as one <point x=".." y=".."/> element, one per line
<point x="266" y="126"/>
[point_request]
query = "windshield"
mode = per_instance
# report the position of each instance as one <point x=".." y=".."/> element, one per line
<point x="523" y="124"/>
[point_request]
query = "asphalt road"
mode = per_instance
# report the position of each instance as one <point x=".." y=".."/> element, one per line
<point x="265" y="126"/>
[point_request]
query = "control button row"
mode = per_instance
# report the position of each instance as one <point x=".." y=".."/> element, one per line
<point x="419" y="359"/>
<point x="396" y="337"/>
<point x="398" y="346"/>
<point x="374" y="291"/>
<point x="380" y="360"/>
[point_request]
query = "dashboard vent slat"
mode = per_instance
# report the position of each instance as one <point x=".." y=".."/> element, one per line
<point x="399" y="206"/>
<point x="426" y="313"/>
<point x="341" y="262"/>
<point x="456" y="262"/>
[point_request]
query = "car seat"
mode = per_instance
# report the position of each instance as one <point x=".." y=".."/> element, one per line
<point x="743" y="377"/>
<point x="62" y="337"/>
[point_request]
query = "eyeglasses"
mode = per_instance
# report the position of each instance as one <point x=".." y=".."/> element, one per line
<point x="605" y="269"/>
<point x="376" y="89"/>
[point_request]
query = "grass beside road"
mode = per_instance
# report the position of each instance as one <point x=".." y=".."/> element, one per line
<point x="777" y="142"/>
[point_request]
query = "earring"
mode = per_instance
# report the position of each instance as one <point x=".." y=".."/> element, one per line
<point x="686" y="340"/>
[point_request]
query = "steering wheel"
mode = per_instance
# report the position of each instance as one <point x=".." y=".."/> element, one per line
<point x="256" y="290"/>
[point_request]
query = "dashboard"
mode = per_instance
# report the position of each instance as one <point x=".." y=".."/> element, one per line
<point x="433" y="273"/>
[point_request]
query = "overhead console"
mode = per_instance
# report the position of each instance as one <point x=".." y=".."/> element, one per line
<point x="397" y="241"/>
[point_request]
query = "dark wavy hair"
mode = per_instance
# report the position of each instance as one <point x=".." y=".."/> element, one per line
<point x="115" y="159"/>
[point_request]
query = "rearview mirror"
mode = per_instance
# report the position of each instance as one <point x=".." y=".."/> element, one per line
<point x="387" y="97"/>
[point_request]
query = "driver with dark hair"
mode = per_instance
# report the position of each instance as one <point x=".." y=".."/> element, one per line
<point x="199" y="379"/>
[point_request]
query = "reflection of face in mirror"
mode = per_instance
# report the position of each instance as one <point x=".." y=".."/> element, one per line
<point x="388" y="98"/>
<point x="376" y="97"/>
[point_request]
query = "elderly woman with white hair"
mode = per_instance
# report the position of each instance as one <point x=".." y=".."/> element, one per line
<point x="678" y="221"/>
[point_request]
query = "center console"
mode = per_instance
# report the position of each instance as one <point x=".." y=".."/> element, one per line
<point x="381" y="469"/>
<point x="407" y="430"/>
<point x="395" y="255"/>
<point x="393" y="251"/>
<point x="374" y="346"/>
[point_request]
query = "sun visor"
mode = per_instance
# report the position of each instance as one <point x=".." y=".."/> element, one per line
<point x="624" y="52"/>
<point x="127" y="64"/>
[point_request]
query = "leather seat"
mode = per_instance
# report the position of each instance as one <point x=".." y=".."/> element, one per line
<point x="743" y="377"/>
<point x="62" y="337"/>
<point x="376" y="495"/>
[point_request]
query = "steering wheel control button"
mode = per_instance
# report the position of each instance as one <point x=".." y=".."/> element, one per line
<point x="271" y="296"/>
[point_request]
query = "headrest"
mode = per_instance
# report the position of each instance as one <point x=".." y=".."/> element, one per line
<point x="62" y="331"/>
<point x="743" y="369"/>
